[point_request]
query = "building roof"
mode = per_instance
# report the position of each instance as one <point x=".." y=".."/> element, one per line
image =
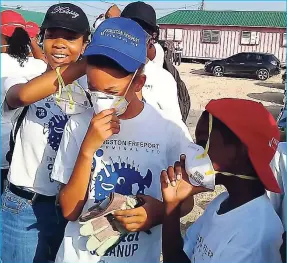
<point x="226" y="18"/>
<point x="36" y="17"/>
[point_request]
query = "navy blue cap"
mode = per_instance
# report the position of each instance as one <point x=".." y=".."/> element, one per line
<point x="122" y="40"/>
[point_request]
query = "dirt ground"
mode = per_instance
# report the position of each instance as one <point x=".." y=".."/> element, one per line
<point x="203" y="87"/>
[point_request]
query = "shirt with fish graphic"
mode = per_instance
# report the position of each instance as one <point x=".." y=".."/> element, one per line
<point x="127" y="163"/>
<point x="37" y="143"/>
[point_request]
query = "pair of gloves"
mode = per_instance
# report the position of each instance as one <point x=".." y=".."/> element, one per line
<point x="100" y="226"/>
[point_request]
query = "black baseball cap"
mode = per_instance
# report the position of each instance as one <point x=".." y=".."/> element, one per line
<point x="142" y="13"/>
<point x="66" y="16"/>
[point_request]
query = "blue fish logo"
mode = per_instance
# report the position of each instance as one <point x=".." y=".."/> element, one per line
<point x="119" y="177"/>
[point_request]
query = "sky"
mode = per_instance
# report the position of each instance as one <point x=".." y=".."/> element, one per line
<point x="95" y="8"/>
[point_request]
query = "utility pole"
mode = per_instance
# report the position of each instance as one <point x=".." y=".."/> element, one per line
<point x="201" y="7"/>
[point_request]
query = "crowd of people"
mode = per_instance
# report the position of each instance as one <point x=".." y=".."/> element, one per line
<point x="98" y="164"/>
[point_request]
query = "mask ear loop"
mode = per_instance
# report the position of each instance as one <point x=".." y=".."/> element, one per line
<point x="204" y="154"/>
<point x="127" y="87"/>
<point x="59" y="77"/>
<point x="131" y="83"/>
<point x="239" y="175"/>
<point x="80" y="87"/>
<point x="210" y="172"/>
<point x="71" y="101"/>
<point x="63" y="86"/>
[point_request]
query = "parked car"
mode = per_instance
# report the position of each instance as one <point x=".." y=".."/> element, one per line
<point x="261" y="65"/>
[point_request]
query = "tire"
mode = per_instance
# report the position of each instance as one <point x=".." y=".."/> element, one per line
<point x="262" y="74"/>
<point x="217" y="71"/>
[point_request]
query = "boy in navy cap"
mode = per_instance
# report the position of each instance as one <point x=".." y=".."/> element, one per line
<point x="120" y="145"/>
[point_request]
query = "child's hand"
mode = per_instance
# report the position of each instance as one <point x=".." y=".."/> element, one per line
<point x="141" y="218"/>
<point x="175" y="185"/>
<point x="102" y="126"/>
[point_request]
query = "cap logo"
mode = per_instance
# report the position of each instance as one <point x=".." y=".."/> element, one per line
<point x="65" y="10"/>
<point x="273" y="143"/>
<point x="119" y="34"/>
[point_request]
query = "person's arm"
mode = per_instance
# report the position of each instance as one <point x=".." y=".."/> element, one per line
<point x="172" y="242"/>
<point x="21" y="95"/>
<point x="36" y="50"/>
<point x="176" y="189"/>
<point x="74" y="194"/>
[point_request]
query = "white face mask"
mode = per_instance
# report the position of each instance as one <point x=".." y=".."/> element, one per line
<point x="4" y="45"/>
<point x="200" y="168"/>
<point x="72" y="98"/>
<point x="102" y="101"/>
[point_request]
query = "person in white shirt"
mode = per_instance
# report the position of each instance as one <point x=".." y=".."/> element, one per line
<point x="160" y="89"/>
<point x="239" y="225"/>
<point x="159" y="54"/>
<point x="278" y="166"/>
<point x="278" y="201"/>
<point x="32" y="223"/>
<point x="15" y="60"/>
<point x="121" y="145"/>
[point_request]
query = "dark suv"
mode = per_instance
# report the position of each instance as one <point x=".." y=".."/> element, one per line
<point x="261" y="65"/>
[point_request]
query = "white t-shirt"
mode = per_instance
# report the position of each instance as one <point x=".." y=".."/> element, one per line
<point x="10" y="67"/>
<point x="250" y="233"/>
<point x="127" y="163"/>
<point x="278" y="166"/>
<point x="159" y="55"/>
<point x="160" y="90"/>
<point x="37" y="142"/>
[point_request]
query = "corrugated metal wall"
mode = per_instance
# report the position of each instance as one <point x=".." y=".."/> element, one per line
<point x="229" y="43"/>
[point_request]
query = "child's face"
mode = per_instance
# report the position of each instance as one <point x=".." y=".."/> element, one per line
<point x="62" y="46"/>
<point x="114" y="82"/>
<point x="151" y="52"/>
<point x="222" y="155"/>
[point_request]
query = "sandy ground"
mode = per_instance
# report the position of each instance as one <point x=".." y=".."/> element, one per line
<point x="202" y="88"/>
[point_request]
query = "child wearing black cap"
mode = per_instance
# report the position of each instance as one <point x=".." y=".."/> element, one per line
<point x="160" y="89"/>
<point x="240" y="225"/>
<point x="32" y="224"/>
<point x="164" y="88"/>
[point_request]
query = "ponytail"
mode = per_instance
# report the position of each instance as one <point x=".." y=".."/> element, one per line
<point x="19" y="44"/>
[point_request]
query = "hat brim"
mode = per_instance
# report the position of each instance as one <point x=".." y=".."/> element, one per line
<point x="126" y="62"/>
<point x="63" y="25"/>
<point x="264" y="171"/>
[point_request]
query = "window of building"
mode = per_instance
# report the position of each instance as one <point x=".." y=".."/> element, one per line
<point x="284" y="40"/>
<point x="249" y="38"/>
<point x="178" y="34"/>
<point x="210" y="36"/>
<point x="170" y="34"/>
